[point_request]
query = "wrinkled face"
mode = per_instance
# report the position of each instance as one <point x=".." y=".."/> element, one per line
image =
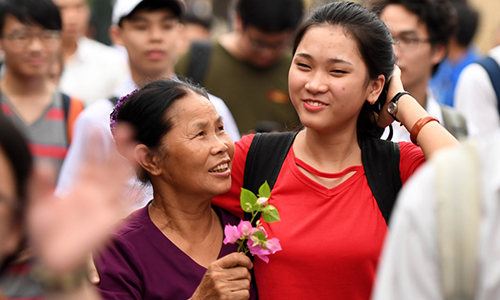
<point x="198" y="152"/>
<point x="75" y="15"/>
<point x="9" y="232"/>
<point x="264" y="49"/>
<point x="151" y="39"/>
<point x="328" y="81"/>
<point x="29" y="50"/>
<point x="415" y="54"/>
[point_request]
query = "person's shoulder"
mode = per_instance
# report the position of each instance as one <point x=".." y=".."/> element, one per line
<point x="133" y="226"/>
<point x="245" y="141"/>
<point x="98" y="109"/>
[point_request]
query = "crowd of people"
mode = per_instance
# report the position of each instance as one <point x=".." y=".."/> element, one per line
<point x="120" y="167"/>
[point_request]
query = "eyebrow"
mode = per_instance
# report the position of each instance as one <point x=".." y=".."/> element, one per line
<point x="143" y="19"/>
<point x="331" y="60"/>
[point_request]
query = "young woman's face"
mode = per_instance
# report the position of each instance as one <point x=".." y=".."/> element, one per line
<point x="197" y="151"/>
<point x="328" y="79"/>
<point x="9" y="230"/>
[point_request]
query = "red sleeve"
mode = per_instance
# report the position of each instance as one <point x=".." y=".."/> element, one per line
<point x="230" y="201"/>
<point x="411" y="158"/>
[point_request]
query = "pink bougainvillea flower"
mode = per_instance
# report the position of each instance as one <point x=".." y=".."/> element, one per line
<point x="232" y="234"/>
<point x="256" y="249"/>
<point x="246" y="228"/>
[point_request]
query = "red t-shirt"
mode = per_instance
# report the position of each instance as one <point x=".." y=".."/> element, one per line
<point x="331" y="238"/>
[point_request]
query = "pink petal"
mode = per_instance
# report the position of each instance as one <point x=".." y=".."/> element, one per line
<point x="273" y="245"/>
<point x="264" y="258"/>
<point x="232" y="234"/>
<point x="245" y="228"/>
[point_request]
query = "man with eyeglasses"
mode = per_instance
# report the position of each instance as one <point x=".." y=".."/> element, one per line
<point x="30" y="38"/>
<point x="421" y="31"/>
<point x="248" y="66"/>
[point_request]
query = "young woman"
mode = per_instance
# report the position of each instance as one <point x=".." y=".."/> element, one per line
<point x="331" y="229"/>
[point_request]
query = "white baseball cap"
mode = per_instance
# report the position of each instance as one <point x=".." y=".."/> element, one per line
<point x="123" y="8"/>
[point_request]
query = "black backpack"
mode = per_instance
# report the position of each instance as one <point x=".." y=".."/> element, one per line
<point x="380" y="160"/>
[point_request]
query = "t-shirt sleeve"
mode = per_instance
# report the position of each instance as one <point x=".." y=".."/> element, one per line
<point x="411" y="158"/>
<point x="119" y="271"/>
<point x="230" y="201"/>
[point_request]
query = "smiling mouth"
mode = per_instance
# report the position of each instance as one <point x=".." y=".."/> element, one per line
<point x="220" y="168"/>
<point x="315" y="103"/>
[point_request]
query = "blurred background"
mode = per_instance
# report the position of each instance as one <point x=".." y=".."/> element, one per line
<point x="487" y="35"/>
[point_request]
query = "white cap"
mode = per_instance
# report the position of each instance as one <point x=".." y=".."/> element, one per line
<point x="123" y="8"/>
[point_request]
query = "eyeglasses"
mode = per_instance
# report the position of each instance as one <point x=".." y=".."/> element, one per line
<point x="261" y="45"/>
<point x="22" y="39"/>
<point x="409" y="43"/>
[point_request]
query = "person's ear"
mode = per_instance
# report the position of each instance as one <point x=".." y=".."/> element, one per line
<point x="237" y="23"/>
<point x="375" y="88"/>
<point x="115" y="34"/>
<point x="438" y="53"/>
<point x="148" y="160"/>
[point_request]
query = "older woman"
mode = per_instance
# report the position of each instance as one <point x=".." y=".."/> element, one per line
<point x="172" y="248"/>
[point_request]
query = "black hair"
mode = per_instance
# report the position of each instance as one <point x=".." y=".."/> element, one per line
<point x="438" y="15"/>
<point x="270" y="16"/>
<point x="32" y="12"/>
<point x="468" y="19"/>
<point x="374" y="42"/>
<point x="153" y="5"/>
<point x="13" y="144"/>
<point x="147" y="111"/>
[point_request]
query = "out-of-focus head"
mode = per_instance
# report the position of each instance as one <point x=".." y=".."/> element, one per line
<point x="150" y="31"/>
<point x="197" y="23"/>
<point x="181" y="137"/>
<point x="361" y="64"/>
<point x="266" y="28"/>
<point x="75" y="16"/>
<point x="467" y="20"/>
<point x="421" y="30"/>
<point x="15" y="171"/>
<point x="29" y="35"/>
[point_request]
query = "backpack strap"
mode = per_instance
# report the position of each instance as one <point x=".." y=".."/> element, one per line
<point x="72" y="108"/>
<point x="458" y="219"/>
<point x="381" y="163"/>
<point x="454" y="122"/>
<point x="264" y="160"/>
<point x="493" y="70"/>
<point x="199" y="58"/>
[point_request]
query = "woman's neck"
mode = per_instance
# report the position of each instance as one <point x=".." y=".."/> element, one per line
<point x="328" y="152"/>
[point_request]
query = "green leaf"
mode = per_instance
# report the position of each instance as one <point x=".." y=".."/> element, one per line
<point x="270" y="214"/>
<point x="260" y="235"/>
<point x="265" y="190"/>
<point x="248" y="200"/>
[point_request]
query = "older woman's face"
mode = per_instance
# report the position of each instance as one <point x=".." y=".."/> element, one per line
<point x="9" y="232"/>
<point x="198" y="152"/>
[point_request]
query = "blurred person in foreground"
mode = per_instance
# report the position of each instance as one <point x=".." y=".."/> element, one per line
<point x="444" y="232"/>
<point x="92" y="70"/>
<point x="247" y="67"/>
<point x="60" y="232"/>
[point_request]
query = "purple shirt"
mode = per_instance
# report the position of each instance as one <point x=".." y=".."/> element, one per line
<point x="142" y="263"/>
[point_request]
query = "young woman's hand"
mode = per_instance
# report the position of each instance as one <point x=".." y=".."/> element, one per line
<point x="395" y="86"/>
<point x="226" y="278"/>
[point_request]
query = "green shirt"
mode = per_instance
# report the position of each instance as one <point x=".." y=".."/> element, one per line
<point x="255" y="96"/>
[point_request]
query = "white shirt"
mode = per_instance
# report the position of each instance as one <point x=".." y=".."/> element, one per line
<point x="400" y="134"/>
<point x="95" y="119"/>
<point x="410" y="265"/>
<point x="475" y="97"/>
<point x="94" y="72"/>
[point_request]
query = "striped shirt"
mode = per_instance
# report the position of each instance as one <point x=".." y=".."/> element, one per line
<point x="47" y="136"/>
